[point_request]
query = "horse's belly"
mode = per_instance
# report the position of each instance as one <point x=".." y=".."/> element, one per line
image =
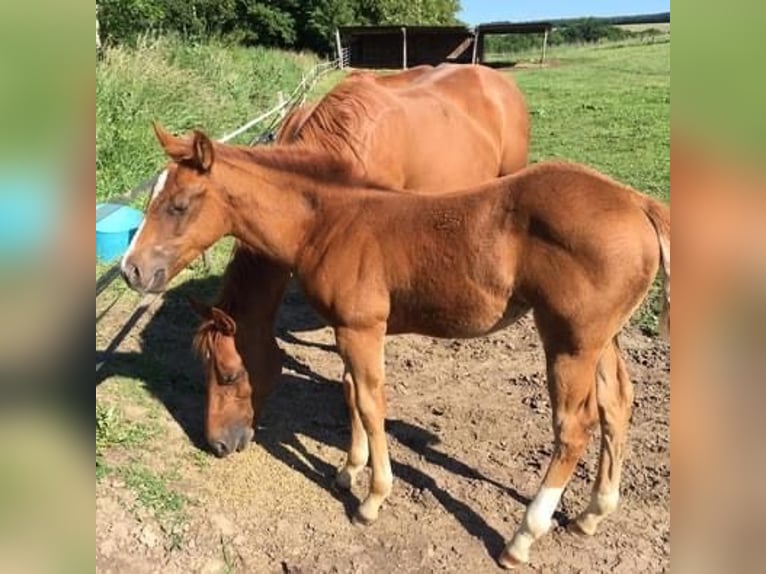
<point x="463" y="319"/>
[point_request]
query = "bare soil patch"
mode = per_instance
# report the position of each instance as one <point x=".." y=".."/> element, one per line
<point x="470" y="436"/>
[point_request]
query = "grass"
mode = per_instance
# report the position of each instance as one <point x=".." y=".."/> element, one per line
<point x="152" y="491"/>
<point x="166" y="504"/>
<point x="113" y="431"/>
<point x="608" y="107"/>
<point x="184" y="86"/>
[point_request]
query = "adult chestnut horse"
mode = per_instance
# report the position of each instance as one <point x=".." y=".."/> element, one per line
<point x="427" y="129"/>
<point x="578" y="249"/>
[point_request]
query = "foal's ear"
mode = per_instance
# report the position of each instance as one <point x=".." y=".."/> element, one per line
<point x="177" y="149"/>
<point x="204" y="310"/>
<point x="203" y="151"/>
<point x="223" y="322"/>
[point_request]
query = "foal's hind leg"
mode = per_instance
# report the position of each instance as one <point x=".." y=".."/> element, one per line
<point x="358" y="449"/>
<point x="614" y="392"/>
<point x="571" y="383"/>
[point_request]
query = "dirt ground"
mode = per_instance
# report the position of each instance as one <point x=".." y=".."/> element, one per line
<point x="469" y="434"/>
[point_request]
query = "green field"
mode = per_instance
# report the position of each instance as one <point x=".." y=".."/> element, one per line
<point x="183" y="86"/>
<point x="607" y="106"/>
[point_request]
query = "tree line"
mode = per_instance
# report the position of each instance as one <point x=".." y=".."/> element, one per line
<point x="293" y="24"/>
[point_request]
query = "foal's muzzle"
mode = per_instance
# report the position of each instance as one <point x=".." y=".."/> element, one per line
<point x="145" y="279"/>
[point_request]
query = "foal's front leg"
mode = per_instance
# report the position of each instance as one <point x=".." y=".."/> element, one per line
<point x="358" y="449"/>
<point x="362" y="353"/>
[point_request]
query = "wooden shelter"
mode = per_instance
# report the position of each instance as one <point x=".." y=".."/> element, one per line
<point x="395" y="47"/>
<point x="404" y="46"/>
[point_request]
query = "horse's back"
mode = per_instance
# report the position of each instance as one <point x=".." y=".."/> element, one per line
<point x="494" y="103"/>
<point x="472" y="120"/>
<point x="469" y="121"/>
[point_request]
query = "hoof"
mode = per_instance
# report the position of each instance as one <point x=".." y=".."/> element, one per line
<point x="582" y="527"/>
<point x="367" y="513"/>
<point x="509" y="561"/>
<point x="362" y="520"/>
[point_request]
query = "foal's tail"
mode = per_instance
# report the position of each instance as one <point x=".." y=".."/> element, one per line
<point x="659" y="215"/>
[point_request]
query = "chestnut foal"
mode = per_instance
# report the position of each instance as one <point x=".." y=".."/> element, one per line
<point x="575" y="247"/>
<point x="429" y="130"/>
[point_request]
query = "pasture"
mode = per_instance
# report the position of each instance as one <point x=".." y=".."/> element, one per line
<point x="469" y="420"/>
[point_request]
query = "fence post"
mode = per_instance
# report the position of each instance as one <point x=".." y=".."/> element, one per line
<point x="404" y="48"/>
<point x="545" y="45"/>
<point x="475" y="54"/>
<point x="339" y="47"/>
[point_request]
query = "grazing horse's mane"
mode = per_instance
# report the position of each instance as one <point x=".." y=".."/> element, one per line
<point x="319" y="165"/>
<point x="343" y="120"/>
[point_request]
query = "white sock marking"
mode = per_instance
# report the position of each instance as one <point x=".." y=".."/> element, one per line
<point x="537" y="521"/>
<point x="541" y="510"/>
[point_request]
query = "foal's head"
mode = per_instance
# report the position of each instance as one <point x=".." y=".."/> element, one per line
<point x="229" y="410"/>
<point x="185" y="214"/>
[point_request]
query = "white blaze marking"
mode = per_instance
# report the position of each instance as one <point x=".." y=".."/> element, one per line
<point x="159" y="186"/>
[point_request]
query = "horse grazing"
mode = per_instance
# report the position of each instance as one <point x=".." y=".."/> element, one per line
<point x="427" y="129"/>
<point x="578" y="249"/>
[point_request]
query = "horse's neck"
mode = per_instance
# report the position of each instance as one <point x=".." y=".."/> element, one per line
<point x="274" y="202"/>
<point x="272" y="209"/>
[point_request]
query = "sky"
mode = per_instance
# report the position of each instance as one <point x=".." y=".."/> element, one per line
<point x="478" y="11"/>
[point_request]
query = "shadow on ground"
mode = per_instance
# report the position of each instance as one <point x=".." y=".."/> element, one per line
<point x="304" y="404"/>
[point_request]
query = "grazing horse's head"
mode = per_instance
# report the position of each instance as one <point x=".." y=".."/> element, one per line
<point x="229" y="413"/>
<point x="174" y="231"/>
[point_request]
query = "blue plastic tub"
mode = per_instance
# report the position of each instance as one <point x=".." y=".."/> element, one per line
<point x="115" y="227"/>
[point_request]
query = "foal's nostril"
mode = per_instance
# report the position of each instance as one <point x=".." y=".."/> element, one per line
<point x="159" y="277"/>
<point x="220" y="449"/>
<point x="131" y="274"/>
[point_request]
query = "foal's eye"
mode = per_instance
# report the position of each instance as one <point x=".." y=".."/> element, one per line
<point x="229" y="379"/>
<point x="178" y="207"/>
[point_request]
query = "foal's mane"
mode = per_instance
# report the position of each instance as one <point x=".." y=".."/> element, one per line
<point x="319" y="165"/>
<point x="204" y="338"/>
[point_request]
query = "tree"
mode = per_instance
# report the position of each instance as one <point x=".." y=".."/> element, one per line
<point x="267" y="23"/>
<point x="321" y="18"/>
<point x="412" y="12"/>
<point x="284" y="23"/>
<point x="124" y="20"/>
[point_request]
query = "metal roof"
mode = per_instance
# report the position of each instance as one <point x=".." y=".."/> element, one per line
<point x="392" y="29"/>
